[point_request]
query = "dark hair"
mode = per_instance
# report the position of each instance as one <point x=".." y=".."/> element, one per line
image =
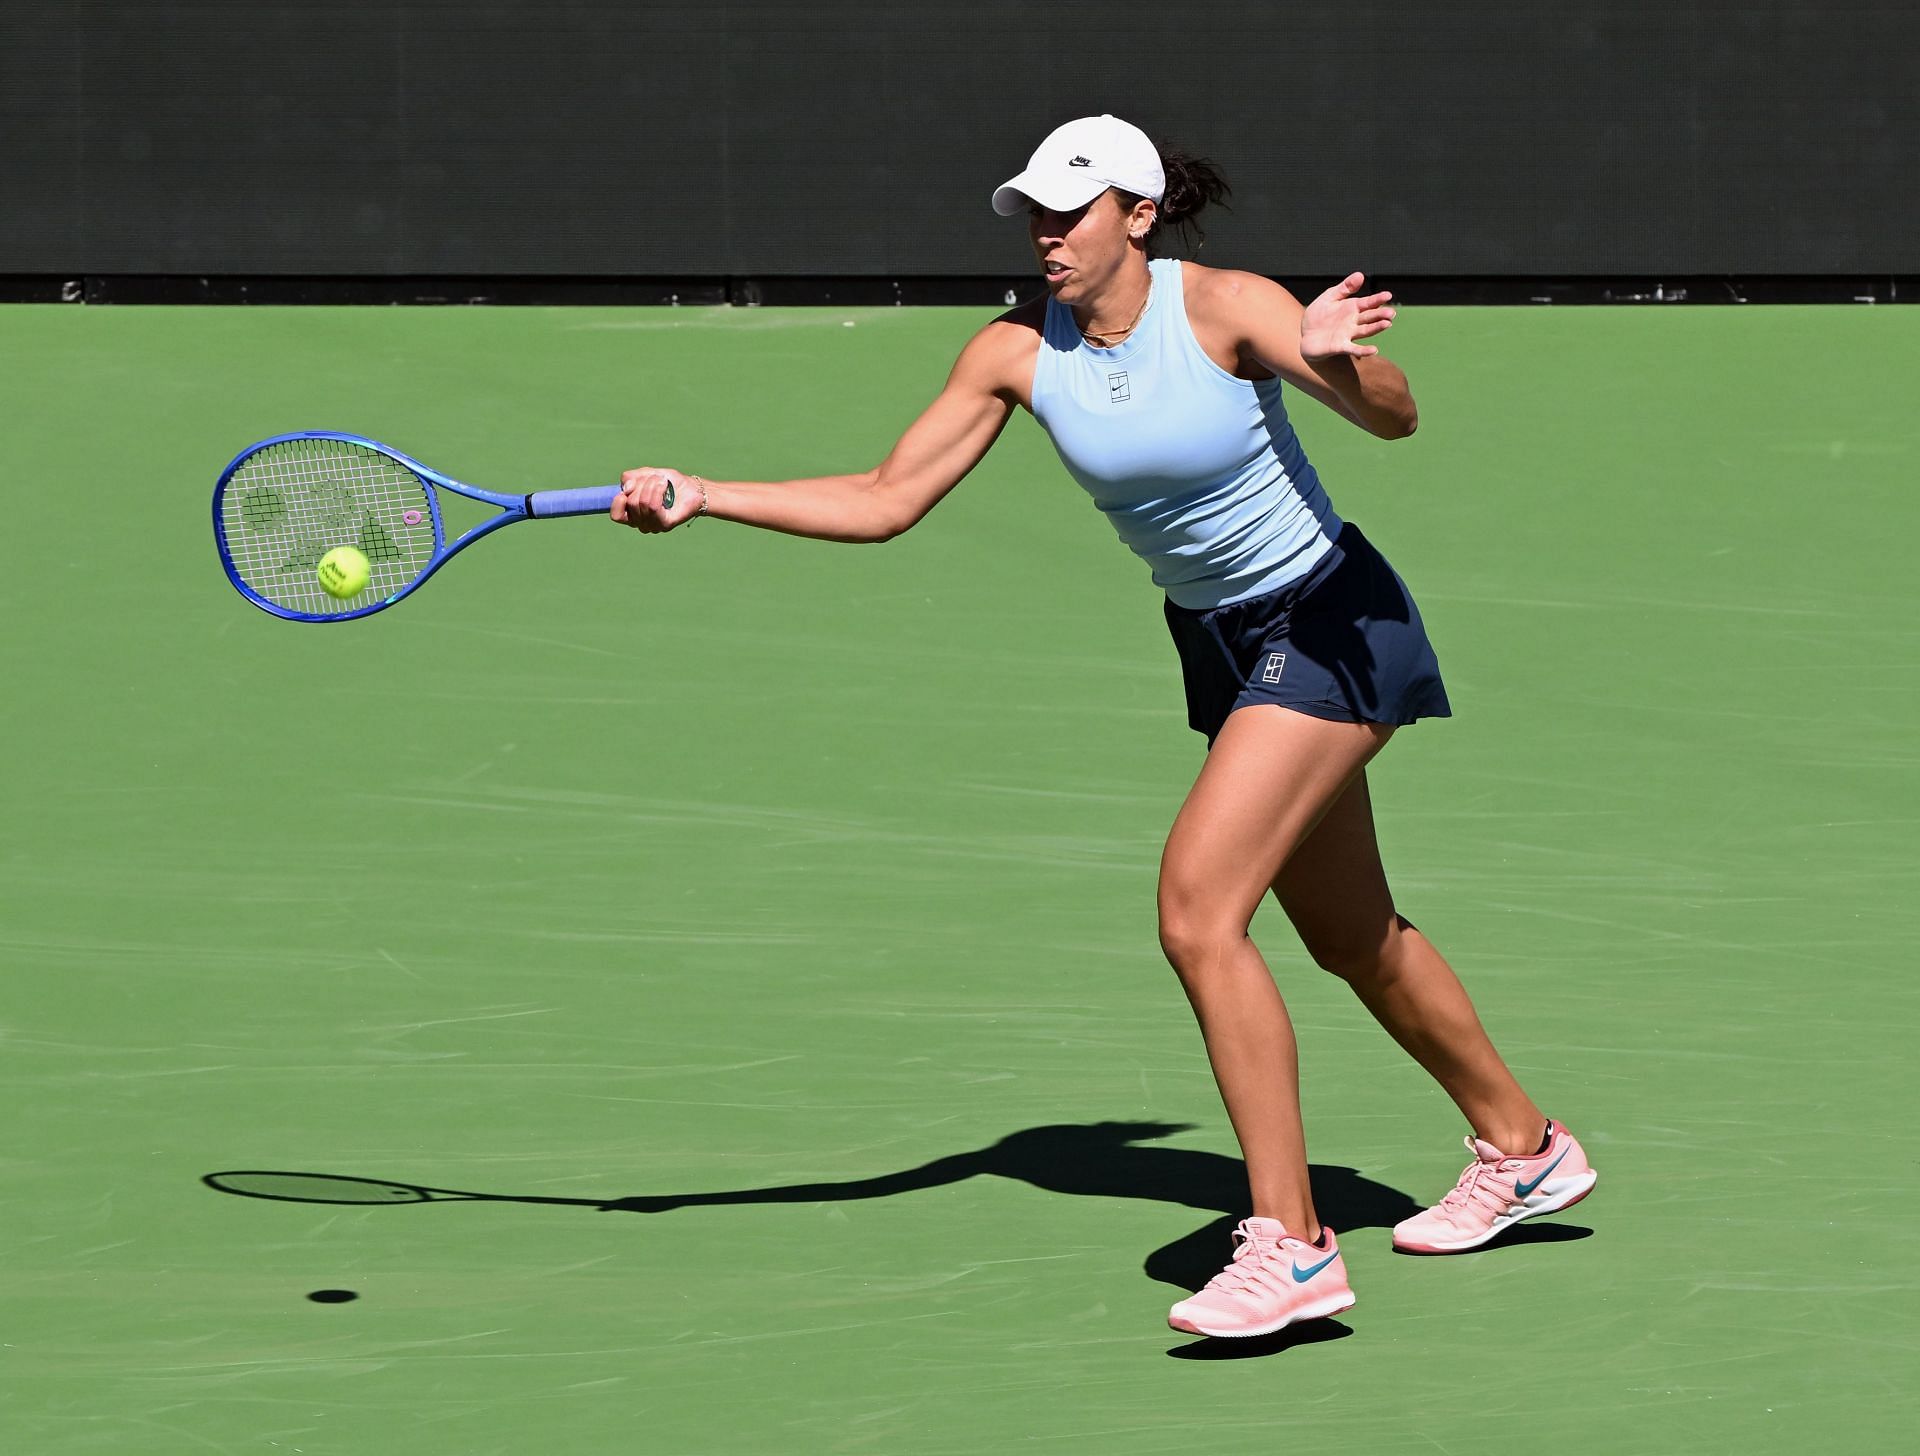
<point x="1193" y="185"/>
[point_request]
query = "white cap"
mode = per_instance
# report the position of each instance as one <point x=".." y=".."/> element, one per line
<point x="1080" y="161"/>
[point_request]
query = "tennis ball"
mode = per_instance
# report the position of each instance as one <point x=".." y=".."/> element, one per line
<point x="344" y="572"/>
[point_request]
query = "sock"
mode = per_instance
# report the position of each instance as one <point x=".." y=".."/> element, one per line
<point x="1546" y="1140"/>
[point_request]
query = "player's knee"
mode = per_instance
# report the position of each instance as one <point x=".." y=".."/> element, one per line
<point x="1191" y="936"/>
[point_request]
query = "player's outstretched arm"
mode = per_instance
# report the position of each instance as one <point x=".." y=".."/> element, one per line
<point x="1321" y="348"/>
<point x="930" y="459"/>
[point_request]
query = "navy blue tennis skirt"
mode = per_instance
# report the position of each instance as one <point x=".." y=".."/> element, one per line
<point x="1345" y="642"/>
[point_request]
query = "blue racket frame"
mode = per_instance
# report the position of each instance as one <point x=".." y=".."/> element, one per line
<point x="536" y="505"/>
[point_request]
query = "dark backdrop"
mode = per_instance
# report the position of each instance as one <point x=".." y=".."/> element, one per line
<point x="1405" y="136"/>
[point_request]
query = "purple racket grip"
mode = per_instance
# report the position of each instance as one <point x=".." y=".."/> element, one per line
<point x="589" y="501"/>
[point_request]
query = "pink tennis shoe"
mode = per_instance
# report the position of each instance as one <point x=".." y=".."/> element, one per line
<point x="1274" y="1280"/>
<point x="1496" y="1192"/>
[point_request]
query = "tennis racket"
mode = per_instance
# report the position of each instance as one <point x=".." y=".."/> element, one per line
<point x="337" y="1188"/>
<point x="285" y="502"/>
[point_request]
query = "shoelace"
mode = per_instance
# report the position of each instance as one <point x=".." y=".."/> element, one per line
<point x="1472" y="1185"/>
<point x="1249" y="1262"/>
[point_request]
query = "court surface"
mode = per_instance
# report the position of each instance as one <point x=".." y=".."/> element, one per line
<point x="796" y="900"/>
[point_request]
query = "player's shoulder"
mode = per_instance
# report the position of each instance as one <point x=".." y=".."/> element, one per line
<point x="1023" y="323"/>
<point x="1227" y="292"/>
<point x="1004" y="349"/>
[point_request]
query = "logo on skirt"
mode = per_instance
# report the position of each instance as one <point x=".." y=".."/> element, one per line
<point x="1276" y="664"/>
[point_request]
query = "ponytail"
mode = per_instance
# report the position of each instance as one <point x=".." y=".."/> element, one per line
<point x="1193" y="185"/>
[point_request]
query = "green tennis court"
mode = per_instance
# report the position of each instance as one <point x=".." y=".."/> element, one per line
<point x="797" y="901"/>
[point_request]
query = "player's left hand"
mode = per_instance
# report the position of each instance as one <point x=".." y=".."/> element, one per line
<point x="654" y="500"/>
<point x="1334" y="322"/>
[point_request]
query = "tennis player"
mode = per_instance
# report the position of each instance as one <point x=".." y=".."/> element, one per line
<point x="1163" y="387"/>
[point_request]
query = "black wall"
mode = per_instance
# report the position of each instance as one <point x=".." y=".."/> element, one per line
<point x="856" y="138"/>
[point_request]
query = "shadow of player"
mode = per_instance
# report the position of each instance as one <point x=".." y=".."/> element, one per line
<point x="1083" y="1160"/>
<point x="1095" y="1160"/>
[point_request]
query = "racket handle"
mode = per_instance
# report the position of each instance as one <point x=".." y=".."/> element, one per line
<point x="591" y="501"/>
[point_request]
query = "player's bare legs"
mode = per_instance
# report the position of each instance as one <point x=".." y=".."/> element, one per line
<point x="1335" y="892"/>
<point x="1270" y="776"/>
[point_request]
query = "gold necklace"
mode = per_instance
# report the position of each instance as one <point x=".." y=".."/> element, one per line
<point x="1099" y="341"/>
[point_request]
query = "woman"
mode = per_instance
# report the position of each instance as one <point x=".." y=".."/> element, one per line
<point x="1160" y="383"/>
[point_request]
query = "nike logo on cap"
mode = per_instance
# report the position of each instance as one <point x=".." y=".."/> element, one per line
<point x="1079" y="162"/>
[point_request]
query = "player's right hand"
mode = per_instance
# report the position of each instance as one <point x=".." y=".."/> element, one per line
<point x="644" y="494"/>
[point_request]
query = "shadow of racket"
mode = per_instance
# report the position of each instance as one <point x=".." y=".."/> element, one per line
<point x="338" y="1188"/>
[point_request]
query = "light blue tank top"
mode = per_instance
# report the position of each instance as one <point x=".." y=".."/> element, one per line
<point x="1200" y="472"/>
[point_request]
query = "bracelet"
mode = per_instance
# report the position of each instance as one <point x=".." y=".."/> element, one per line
<point x="701" y="509"/>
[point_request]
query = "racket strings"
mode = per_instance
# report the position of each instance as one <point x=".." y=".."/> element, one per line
<point x="290" y="503"/>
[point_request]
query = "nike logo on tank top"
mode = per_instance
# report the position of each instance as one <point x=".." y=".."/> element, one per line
<point x="1199" y="472"/>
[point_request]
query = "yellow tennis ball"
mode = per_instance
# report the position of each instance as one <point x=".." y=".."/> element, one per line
<point x="344" y="572"/>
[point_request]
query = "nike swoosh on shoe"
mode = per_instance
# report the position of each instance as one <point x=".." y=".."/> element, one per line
<point x="1522" y="1187"/>
<point x="1301" y="1276"/>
